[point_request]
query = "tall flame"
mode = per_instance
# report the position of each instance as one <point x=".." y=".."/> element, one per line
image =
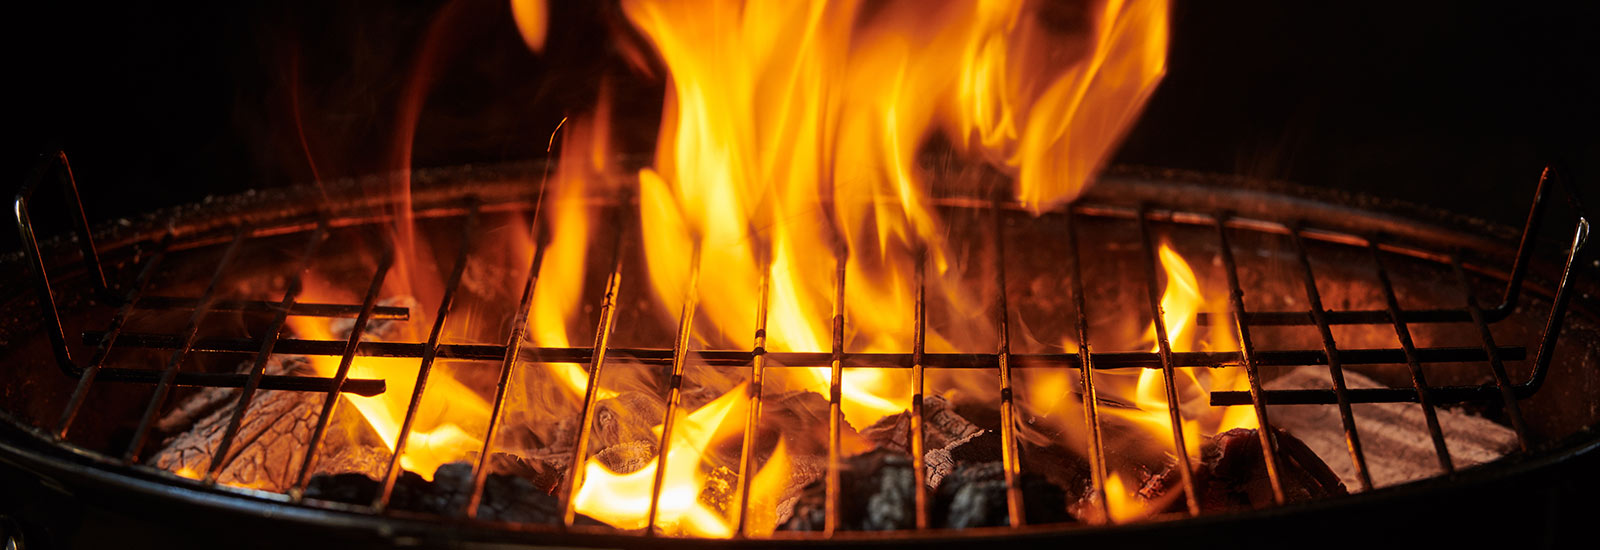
<point x="792" y="130"/>
<point x="791" y="139"/>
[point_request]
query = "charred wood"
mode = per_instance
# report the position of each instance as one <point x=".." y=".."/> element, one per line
<point x="1232" y="475"/>
<point x="877" y="494"/>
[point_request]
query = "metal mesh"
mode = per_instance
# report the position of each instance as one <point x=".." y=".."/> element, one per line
<point x="509" y="354"/>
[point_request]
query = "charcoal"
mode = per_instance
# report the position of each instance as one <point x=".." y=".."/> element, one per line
<point x="505" y="497"/>
<point x="877" y="493"/>
<point x="517" y="500"/>
<point x="944" y="429"/>
<point x="1232" y="475"/>
<point x="271" y="441"/>
<point x="719" y="489"/>
<point x="538" y="471"/>
<point x="974" y="495"/>
<point x="627" y="457"/>
<point x="350" y="488"/>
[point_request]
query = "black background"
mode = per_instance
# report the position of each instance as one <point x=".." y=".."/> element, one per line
<point x="1450" y="104"/>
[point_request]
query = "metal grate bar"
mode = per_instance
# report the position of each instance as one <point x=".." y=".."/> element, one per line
<point x="1335" y="367"/>
<point x="1158" y="319"/>
<point x="1008" y="412"/>
<point x="91" y="259"/>
<point x="602" y="339"/>
<point x="103" y="350"/>
<point x="830" y="521"/>
<point x="1350" y="317"/>
<point x="758" y="365"/>
<point x="680" y="351"/>
<point x="1264" y="429"/>
<point x="1502" y="381"/>
<point x="164" y="385"/>
<point x="1418" y="380"/>
<point x="259" y="306"/>
<point x="219" y="457"/>
<point x="741" y="358"/>
<point x="919" y="339"/>
<point x="508" y="365"/>
<point x="1558" y="309"/>
<point x="1439" y="394"/>
<point x="1530" y="232"/>
<point x="346" y="359"/>
<point x="30" y="247"/>
<point x="1512" y="292"/>
<point x="1091" y="398"/>
<point x="430" y="354"/>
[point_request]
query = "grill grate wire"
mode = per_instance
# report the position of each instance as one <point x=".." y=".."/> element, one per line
<point x="1085" y="360"/>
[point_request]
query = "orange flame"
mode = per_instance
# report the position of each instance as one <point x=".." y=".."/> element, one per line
<point x="533" y="21"/>
<point x="793" y="128"/>
<point x="792" y="131"/>
<point x="452" y="417"/>
<point x="622" y="500"/>
<point x="1147" y="415"/>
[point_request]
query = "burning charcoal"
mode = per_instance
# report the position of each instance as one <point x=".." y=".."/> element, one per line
<point x="540" y="472"/>
<point x="346" y="488"/>
<point x="944" y="428"/>
<point x="271" y="441"/>
<point x="944" y="431"/>
<point x="516" y="500"/>
<point x="974" y="495"/>
<point x="628" y="417"/>
<point x="719" y="488"/>
<point x="447" y="495"/>
<point x="627" y="457"/>
<point x="876" y="494"/>
<point x="505" y="498"/>
<point x="1231" y="474"/>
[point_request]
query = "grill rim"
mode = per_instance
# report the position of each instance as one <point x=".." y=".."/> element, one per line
<point x="66" y="467"/>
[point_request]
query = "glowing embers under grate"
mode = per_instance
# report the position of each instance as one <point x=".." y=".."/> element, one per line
<point x="626" y="486"/>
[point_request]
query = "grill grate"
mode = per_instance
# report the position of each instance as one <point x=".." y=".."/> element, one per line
<point x="1087" y="362"/>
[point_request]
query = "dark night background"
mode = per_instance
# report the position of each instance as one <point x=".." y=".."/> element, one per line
<point x="1450" y="104"/>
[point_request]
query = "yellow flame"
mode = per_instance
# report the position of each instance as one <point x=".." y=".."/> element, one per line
<point x="766" y="488"/>
<point x="558" y="294"/>
<point x="792" y="128"/>
<point x="449" y="421"/>
<point x="622" y="500"/>
<point x="1122" y="500"/>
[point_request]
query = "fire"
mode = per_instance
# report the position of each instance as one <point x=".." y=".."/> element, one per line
<point x="791" y="139"/>
<point x="623" y="499"/>
<point x="1121" y="501"/>
<point x="1143" y="422"/>
<point x="792" y="130"/>
<point x="585" y="158"/>
<point x="439" y="436"/>
<point x="532" y="22"/>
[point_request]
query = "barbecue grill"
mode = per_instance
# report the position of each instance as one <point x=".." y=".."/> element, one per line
<point x="79" y="415"/>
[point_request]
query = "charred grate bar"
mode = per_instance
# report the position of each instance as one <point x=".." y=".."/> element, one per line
<point x="512" y="353"/>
